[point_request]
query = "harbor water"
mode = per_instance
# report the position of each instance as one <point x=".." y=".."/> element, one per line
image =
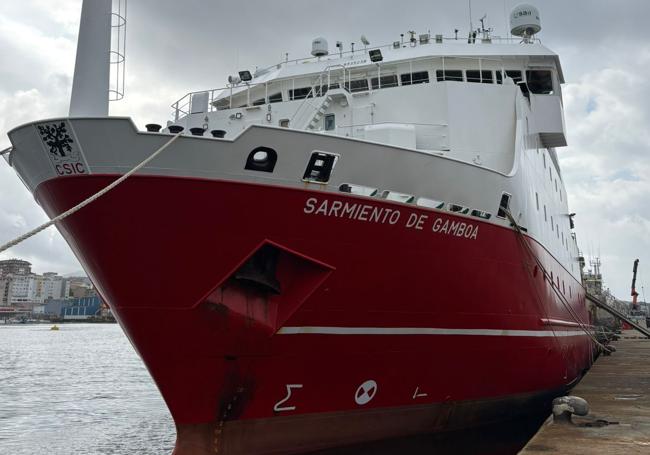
<point x="83" y="390"/>
<point x="80" y="390"/>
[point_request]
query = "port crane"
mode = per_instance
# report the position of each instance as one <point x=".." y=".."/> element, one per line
<point x="635" y="295"/>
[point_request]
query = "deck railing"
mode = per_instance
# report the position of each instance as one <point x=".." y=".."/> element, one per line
<point x="217" y="101"/>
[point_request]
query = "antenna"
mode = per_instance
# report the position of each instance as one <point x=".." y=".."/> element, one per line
<point x="365" y="41"/>
<point x="471" y="24"/>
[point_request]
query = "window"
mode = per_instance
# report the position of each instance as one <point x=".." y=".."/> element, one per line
<point x="504" y="205"/>
<point x="550" y="173"/>
<point x="544" y="157"/>
<point x="480" y="76"/>
<point x="360" y="85"/>
<point x="421" y="77"/>
<point x="552" y="223"/>
<point x="275" y="98"/>
<point x="540" y="82"/>
<point x="301" y="93"/>
<point x="537" y="200"/>
<point x="222" y="104"/>
<point x="556" y="185"/>
<point x="330" y="122"/>
<point x="449" y="75"/>
<point x="384" y="82"/>
<point x="545" y="218"/>
<point x="514" y="75"/>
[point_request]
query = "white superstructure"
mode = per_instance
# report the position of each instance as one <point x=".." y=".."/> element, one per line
<point x="492" y="104"/>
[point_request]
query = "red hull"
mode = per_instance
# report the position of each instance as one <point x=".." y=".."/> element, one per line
<point x="163" y="251"/>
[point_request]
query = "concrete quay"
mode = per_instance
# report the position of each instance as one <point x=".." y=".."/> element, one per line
<point x="617" y="389"/>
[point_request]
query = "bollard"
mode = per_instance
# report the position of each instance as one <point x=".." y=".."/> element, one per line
<point x="565" y="407"/>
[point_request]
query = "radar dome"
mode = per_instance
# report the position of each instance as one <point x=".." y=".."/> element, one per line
<point x="319" y="47"/>
<point x="525" y="21"/>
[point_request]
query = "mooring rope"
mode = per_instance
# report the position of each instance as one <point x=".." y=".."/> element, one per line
<point x="89" y="200"/>
<point x="565" y="303"/>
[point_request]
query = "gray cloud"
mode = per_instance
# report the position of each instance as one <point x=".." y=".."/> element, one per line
<point x="176" y="47"/>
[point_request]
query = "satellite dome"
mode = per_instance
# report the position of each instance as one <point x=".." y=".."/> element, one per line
<point x="525" y="21"/>
<point x="319" y="47"/>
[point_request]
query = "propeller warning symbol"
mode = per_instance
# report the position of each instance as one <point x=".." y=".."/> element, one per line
<point x="366" y="392"/>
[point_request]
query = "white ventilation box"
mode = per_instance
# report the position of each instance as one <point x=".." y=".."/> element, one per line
<point x="200" y="102"/>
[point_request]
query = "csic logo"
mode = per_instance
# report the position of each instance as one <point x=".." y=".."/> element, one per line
<point x="56" y="137"/>
<point x="62" y="149"/>
<point x="366" y="392"/>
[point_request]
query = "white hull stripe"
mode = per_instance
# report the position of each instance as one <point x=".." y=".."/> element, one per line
<point x="426" y="331"/>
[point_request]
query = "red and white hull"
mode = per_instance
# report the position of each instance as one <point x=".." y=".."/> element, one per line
<point x="403" y="311"/>
<point x="386" y="325"/>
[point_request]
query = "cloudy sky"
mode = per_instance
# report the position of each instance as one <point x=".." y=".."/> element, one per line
<point x="175" y="47"/>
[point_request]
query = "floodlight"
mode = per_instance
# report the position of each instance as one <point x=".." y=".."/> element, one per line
<point x="245" y="76"/>
<point x="375" y="55"/>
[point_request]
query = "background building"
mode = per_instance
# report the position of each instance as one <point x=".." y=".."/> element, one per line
<point x="15" y="267"/>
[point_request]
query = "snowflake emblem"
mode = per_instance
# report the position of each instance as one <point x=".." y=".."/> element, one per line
<point x="56" y="137"/>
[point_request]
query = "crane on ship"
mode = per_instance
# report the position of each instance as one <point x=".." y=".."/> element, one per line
<point x="635" y="295"/>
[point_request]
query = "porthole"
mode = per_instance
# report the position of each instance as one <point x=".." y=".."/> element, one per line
<point x="262" y="159"/>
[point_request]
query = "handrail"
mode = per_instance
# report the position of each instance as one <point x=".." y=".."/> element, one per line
<point x="614" y="312"/>
<point x="182" y="107"/>
<point x="432" y="41"/>
<point x="320" y="86"/>
<point x="396" y="123"/>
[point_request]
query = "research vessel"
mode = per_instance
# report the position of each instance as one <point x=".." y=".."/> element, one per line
<point x="364" y="244"/>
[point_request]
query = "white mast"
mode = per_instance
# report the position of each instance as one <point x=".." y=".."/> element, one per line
<point x="92" y="69"/>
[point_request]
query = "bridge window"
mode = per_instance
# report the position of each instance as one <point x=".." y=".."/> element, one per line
<point x="301" y="93"/>
<point x="275" y="98"/>
<point x="484" y="77"/>
<point x="386" y="82"/>
<point x="514" y="75"/>
<point x="540" y="82"/>
<point x="360" y="85"/>
<point x="259" y="102"/>
<point x="421" y="77"/>
<point x="449" y="75"/>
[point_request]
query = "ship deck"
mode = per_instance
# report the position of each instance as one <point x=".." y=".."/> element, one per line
<point x="618" y="392"/>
